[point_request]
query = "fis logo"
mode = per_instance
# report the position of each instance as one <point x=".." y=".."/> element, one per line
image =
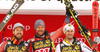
<point x="11" y="13"/>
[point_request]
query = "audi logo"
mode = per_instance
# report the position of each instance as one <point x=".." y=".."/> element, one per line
<point x="61" y="39"/>
<point x="6" y="38"/>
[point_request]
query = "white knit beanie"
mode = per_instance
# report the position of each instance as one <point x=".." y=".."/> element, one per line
<point x="67" y="27"/>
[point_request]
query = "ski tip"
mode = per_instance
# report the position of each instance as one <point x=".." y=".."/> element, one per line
<point x="95" y="3"/>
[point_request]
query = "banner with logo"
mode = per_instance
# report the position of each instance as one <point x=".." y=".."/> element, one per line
<point x="52" y="23"/>
<point x="48" y="4"/>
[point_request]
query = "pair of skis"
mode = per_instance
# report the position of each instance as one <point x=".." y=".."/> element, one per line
<point x="95" y="10"/>
<point x="11" y="12"/>
<point x="82" y="29"/>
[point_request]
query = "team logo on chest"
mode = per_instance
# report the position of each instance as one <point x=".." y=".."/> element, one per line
<point x="16" y="49"/>
<point x="41" y="44"/>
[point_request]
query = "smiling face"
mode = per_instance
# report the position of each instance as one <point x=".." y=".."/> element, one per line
<point x="40" y="30"/>
<point x="69" y="34"/>
<point x="18" y="32"/>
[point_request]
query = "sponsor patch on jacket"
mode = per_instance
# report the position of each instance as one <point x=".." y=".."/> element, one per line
<point x="41" y="44"/>
<point x="62" y="44"/>
<point x="8" y="42"/>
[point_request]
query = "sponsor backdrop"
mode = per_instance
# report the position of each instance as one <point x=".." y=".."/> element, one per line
<point x="52" y="22"/>
<point x="48" y="4"/>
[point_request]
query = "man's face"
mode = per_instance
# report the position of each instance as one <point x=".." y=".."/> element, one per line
<point x="40" y="30"/>
<point x="18" y="32"/>
<point x="69" y="34"/>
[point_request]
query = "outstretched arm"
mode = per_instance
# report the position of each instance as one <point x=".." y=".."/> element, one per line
<point x="59" y="32"/>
